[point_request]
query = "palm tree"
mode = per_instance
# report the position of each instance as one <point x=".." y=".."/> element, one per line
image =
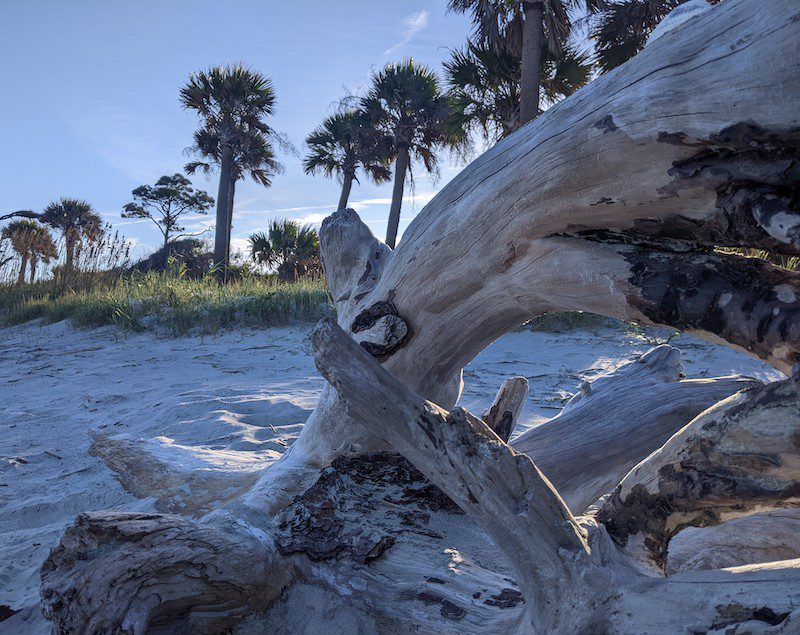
<point x="76" y="220"/>
<point x="524" y="28"/>
<point x="484" y="85"/>
<point x="32" y="242"/>
<point x="623" y="27"/>
<point x="345" y="143"/>
<point x="233" y="103"/>
<point x="43" y="248"/>
<point x="292" y="248"/>
<point x="406" y="105"/>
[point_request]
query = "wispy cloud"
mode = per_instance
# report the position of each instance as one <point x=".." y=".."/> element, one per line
<point x="418" y="198"/>
<point x="412" y="25"/>
<point x="125" y="139"/>
<point x="315" y="218"/>
<point x="311" y="219"/>
<point x="240" y="246"/>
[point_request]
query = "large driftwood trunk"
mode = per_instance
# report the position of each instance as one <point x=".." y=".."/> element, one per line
<point x="395" y="512"/>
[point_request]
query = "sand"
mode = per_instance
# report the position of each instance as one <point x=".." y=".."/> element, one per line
<point x="233" y="401"/>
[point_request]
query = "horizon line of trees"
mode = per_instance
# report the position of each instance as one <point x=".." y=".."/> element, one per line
<point x="67" y="229"/>
<point x="517" y="59"/>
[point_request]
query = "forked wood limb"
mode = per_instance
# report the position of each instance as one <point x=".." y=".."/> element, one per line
<point x="459" y="453"/>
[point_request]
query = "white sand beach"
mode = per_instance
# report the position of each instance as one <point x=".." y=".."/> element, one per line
<point x="233" y="401"/>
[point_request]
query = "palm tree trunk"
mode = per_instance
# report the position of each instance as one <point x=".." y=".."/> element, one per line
<point x="231" y="195"/>
<point x="347" y="184"/>
<point x="400" y="169"/>
<point x="33" y="269"/>
<point x="69" y="248"/>
<point x="23" y="263"/>
<point x="223" y="194"/>
<point x="532" y="40"/>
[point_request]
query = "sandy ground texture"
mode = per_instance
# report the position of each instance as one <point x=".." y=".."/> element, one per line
<point x="233" y="401"/>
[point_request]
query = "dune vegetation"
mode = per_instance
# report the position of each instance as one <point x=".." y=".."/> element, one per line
<point x="166" y="302"/>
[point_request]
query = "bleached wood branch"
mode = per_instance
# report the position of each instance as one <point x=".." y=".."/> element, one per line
<point x="458" y="452"/>
<point x="760" y="598"/>
<point x="738" y="457"/>
<point x="502" y="415"/>
<point x="761" y="537"/>
<point x="617" y="420"/>
<point x="126" y="572"/>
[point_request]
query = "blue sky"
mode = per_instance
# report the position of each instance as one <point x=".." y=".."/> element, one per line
<point x="91" y="103"/>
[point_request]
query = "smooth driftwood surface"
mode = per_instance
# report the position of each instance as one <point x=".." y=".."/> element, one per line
<point x="760" y="537"/>
<point x="391" y="513"/>
<point x="617" y="420"/>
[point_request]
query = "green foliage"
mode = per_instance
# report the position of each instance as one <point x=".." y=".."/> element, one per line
<point x="406" y="104"/>
<point x="32" y="242"/>
<point x="165" y="202"/>
<point x="233" y="103"/>
<point x="190" y="254"/>
<point x="499" y="23"/>
<point x="167" y="302"/>
<point x="347" y="143"/>
<point x="291" y="248"/>
<point x="73" y="217"/>
<point x="566" y="321"/>
<point x="484" y="85"/>
<point x="622" y="29"/>
<point x="77" y="222"/>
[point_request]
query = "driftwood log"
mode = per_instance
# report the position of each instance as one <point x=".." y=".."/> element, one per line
<point x="394" y="511"/>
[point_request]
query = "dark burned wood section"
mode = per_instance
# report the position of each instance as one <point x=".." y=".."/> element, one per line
<point x="756" y="174"/>
<point x="716" y="472"/>
<point x="735" y="613"/>
<point x="6" y="612"/>
<point x="359" y="506"/>
<point x="392" y="332"/>
<point x="746" y="301"/>
<point x="756" y="177"/>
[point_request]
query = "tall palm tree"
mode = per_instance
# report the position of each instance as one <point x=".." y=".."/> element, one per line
<point x="623" y="27"/>
<point x="233" y="103"/>
<point x="524" y="27"/>
<point x="406" y="104"/>
<point x="32" y="242"/>
<point x="77" y="221"/>
<point x="484" y="85"/>
<point x="287" y="245"/>
<point x="344" y="144"/>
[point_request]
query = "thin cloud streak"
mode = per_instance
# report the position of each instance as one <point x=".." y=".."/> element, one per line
<point x="316" y="217"/>
<point x="414" y="23"/>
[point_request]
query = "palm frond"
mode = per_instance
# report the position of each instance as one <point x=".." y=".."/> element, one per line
<point x="622" y="28"/>
<point x="233" y="103"/>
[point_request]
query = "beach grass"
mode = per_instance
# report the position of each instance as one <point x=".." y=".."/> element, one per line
<point x="166" y="302"/>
